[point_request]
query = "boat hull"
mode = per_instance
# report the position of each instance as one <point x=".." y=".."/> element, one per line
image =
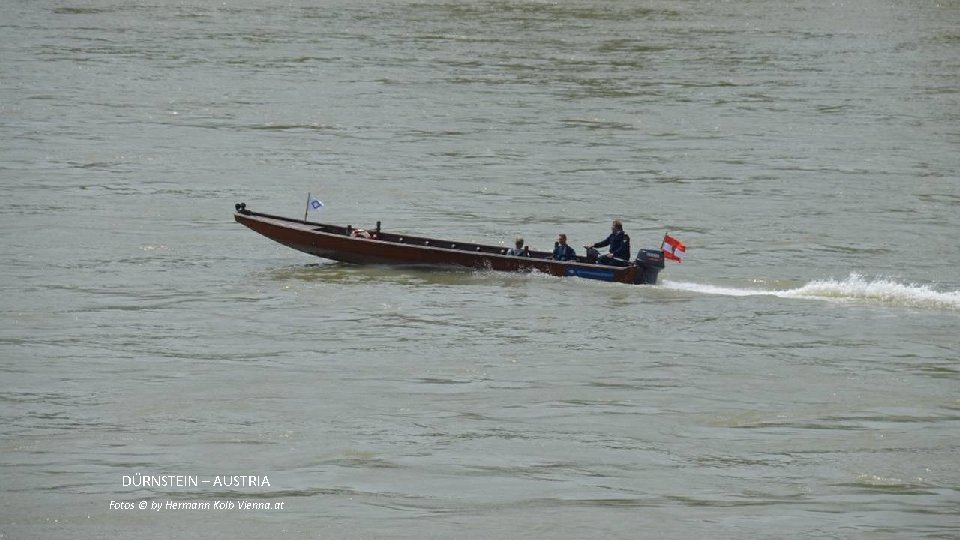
<point x="377" y="247"/>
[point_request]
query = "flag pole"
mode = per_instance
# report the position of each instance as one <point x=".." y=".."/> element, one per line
<point x="307" y="209"/>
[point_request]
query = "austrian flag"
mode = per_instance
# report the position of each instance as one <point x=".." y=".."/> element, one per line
<point x="673" y="248"/>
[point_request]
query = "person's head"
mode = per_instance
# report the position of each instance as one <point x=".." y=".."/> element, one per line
<point x="617" y="225"/>
<point x="562" y="239"/>
<point x="518" y="242"/>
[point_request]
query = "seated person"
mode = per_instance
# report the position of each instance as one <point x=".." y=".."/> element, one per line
<point x="563" y="252"/>
<point x="619" y="243"/>
<point x="518" y="250"/>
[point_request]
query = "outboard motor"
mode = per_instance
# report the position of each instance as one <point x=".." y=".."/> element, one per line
<point x="649" y="263"/>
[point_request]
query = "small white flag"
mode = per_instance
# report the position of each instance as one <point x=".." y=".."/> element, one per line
<point x="313" y="203"/>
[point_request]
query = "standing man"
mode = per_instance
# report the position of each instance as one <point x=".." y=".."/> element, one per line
<point x="619" y="244"/>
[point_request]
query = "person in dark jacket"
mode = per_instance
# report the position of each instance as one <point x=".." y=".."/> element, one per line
<point x="619" y="243"/>
<point x="563" y="252"/>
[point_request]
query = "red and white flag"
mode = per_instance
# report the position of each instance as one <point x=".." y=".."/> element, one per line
<point x="673" y="248"/>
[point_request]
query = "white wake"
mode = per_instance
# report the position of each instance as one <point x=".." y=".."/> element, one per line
<point x="854" y="288"/>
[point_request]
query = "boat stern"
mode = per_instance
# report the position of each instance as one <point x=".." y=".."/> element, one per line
<point x="649" y="263"/>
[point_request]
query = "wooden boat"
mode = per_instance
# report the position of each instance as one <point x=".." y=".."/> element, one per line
<point x="359" y="246"/>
